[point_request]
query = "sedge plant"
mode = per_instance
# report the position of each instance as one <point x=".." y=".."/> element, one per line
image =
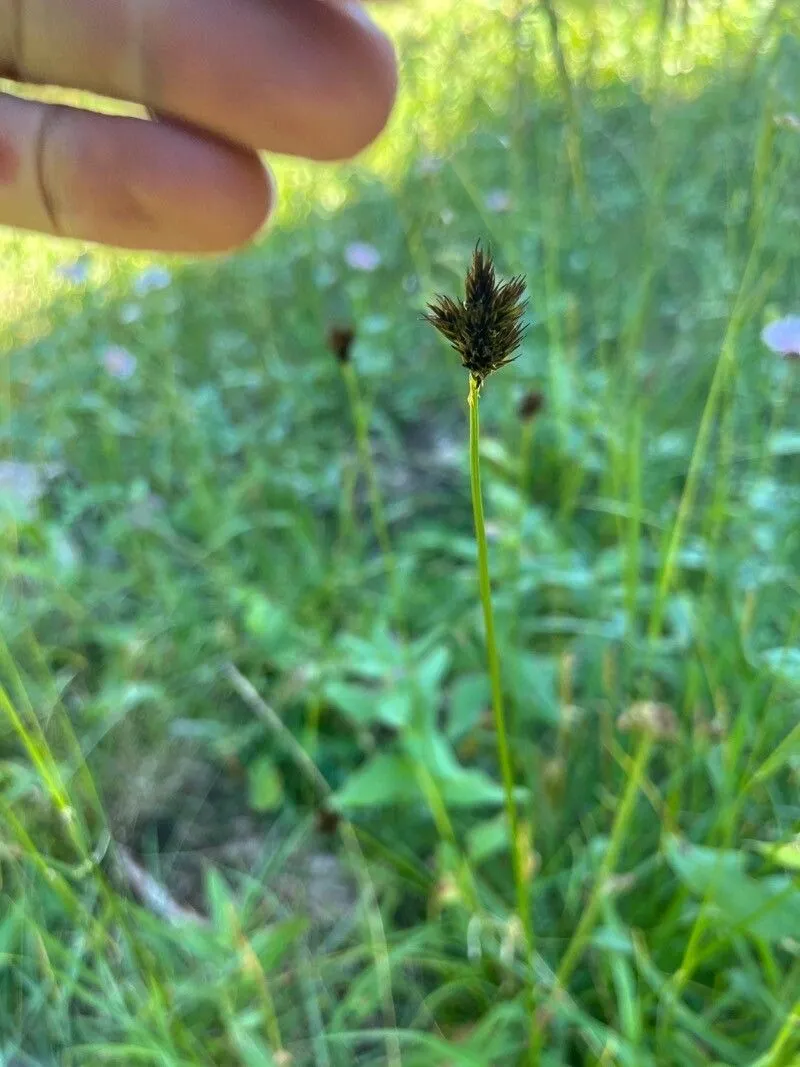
<point x="340" y="342"/>
<point x="486" y="330"/>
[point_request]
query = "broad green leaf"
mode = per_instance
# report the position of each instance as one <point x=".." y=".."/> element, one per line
<point x="372" y="661"/>
<point x="265" y="620"/>
<point x="488" y="838"/>
<point x="357" y="702"/>
<point x="468" y="698"/>
<point x="767" y="907"/>
<point x="377" y="657"/>
<point x="386" y="779"/>
<point x="703" y="868"/>
<point x="431" y="671"/>
<point x="221" y="905"/>
<point x="366" y="705"/>
<point x="467" y="788"/>
<point x="461" y="786"/>
<point x="782" y="855"/>
<point x="389" y="779"/>
<point x="271" y="628"/>
<point x="264" y="785"/>
<point x="395" y="707"/>
<point x="534" y="683"/>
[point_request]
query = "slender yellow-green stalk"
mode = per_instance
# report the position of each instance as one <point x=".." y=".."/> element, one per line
<point x="518" y="851"/>
<point x="786" y="1045"/>
<point x="498" y="707"/>
<point x="361" y="425"/>
<point x="340" y="342"/>
<point x="588" y="919"/>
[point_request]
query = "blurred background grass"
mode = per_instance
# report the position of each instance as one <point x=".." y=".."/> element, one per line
<point x="194" y="600"/>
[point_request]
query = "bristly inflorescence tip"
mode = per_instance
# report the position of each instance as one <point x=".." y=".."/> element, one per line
<point x="485" y="328"/>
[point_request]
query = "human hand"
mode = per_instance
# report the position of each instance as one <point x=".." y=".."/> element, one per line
<point x="312" y="78"/>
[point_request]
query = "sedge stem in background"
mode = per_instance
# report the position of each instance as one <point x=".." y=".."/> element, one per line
<point x="340" y="342"/>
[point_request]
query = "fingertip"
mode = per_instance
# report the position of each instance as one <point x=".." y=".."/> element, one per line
<point x="242" y="202"/>
<point x="359" y="106"/>
<point x="295" y="77"/>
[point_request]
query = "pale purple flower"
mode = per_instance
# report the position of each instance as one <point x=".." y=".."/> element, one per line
<point x="119" y="363"/>
<point x="429" y="165"/>
<point x="783" y="336"/>
<point x="76" y="272"/>
<point x="324" y="275"/>
<point x="362" y="256"/>
<point x="144" y="511"/>
<point x="130" y="313"/>
<point x="789" y="121"/>
<point x="493" y="531"/>
<point x="498" y="201"/>
<point x="26" y="483"/>
<point x="151" y="280"/>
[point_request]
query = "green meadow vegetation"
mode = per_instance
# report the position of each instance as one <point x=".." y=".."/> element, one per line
<point x="251" y="807"/>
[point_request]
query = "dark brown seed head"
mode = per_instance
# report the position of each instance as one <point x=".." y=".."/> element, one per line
<point x="485" y="328"/>
<point x="340" y="342"/>
<point x="327" y="821"/>
<point x="530" y="405"/>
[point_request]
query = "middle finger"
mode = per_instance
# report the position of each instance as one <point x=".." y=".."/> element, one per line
<point x="302" y="77"/>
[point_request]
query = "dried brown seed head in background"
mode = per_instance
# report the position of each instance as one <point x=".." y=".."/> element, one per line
<point x="340" y="342"/>
<point x="530" y="405"/>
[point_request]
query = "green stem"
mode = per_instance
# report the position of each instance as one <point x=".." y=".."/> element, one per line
<point x="722" y="372"/>
<point x="591" y="911"/>
<point x="444" y="827"/>
<point x="574" y="136"/>
<point x="785" y="1044"/>
<point x="361" y="424"/>
<point x="498" y="707"/>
